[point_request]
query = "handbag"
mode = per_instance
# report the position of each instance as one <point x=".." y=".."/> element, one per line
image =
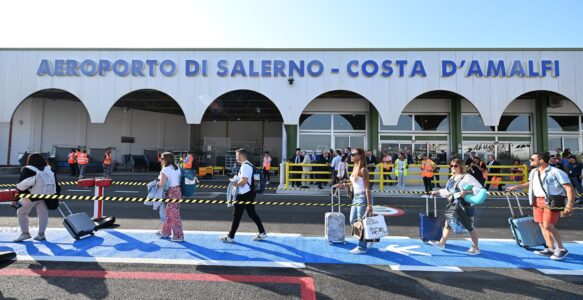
<point x="554" y="202"/>
<point x="375" y="227"/>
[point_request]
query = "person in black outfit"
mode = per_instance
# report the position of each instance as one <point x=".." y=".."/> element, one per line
<point x="298" y="159"/>
<point x="246" y="193"/>
<point x="371" y="162"/>
<point x="476" y="169"/>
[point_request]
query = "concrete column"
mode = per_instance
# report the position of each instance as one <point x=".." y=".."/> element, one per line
<point x="541" y="134"/>
<point x="456" y="125"/>
<point x="291" y="135"/>
<point x="373" y="129"/>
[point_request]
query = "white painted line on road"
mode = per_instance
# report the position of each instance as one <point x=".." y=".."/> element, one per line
<point x="561" y="272"/>
<point x="395" y="237"/>
<point x="494" y="240"/>
<point x="425" y="268"/>
<point x="86" y="191"/>
<point x="197" y="232"/>
<point x="127" y="192"/>
<point x="162" y="261"/>
<point x="579" y="242"/>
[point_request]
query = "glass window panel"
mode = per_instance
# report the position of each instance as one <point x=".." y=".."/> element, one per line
<point x="554" y="143"/>
<point x="431" y="123"/>
<point x="315" y="122"/>
<point x="571" y="143"/>
<point x="341" y="142"/>
<point x="521" y="152"/>
<point x="418" y="149"/>
<point x="515" y="123"/>
<point x="563" y="123"/>
<point x="357" y="141"/>
<point x="391" y="148"/>
<point x="474" y="123"/>
<point x="349" y="122"/>
<point x="405" y="124"/>
<point x="315" y="141"/>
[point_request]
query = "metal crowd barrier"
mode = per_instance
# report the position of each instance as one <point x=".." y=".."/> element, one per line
<point x="516" y="175"/>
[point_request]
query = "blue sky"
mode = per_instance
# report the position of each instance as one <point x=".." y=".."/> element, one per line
<point x="291" y="24"/>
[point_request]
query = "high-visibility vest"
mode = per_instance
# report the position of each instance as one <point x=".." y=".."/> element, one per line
<point x="267" y="163"/>
<point x="397" y="171"/>
<point x="83" y="158"/>
<point x="188" y="164"/>
<point x="107" y="159"/>
<point x="427" y="167"/>
<point x="485" y="172"/>
<point x="71" y="159"/>
<point x="496" y="181"/>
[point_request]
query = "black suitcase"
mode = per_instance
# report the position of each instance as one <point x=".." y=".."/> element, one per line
<point x="79" y="224"/>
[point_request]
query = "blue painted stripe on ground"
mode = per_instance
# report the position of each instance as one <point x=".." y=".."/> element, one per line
<point x="298" y="249"/>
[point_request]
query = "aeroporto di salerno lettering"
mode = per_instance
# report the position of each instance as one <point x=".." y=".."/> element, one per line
<point x="295" y="68"/>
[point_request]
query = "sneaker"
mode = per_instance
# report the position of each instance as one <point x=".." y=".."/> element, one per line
<point x="161" y="235"/>
<point x="357" y="251"/>
<point x="437" y="244"/>
<point x="227" y="239"/>
<point x="178" y="240"/>
<point x="267" y="183"/>
<point x="473" y="251"/>
<point x="40" y="237"/>
<point x="559" y="254"/>
<point x="22" y="237"/>
<point x="260" y="237"/>
<point x="546" y="252"/>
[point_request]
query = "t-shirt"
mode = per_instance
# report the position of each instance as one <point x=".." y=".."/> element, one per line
<point x="245" y="171"/>
<point x="172" y="175"/>
<point x="536" y="187"/>
<point x="575" y="170"/>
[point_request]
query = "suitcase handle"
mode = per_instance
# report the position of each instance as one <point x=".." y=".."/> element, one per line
<point x="67" y="206"/>
<point x="427" y="205"/>
<point x="517" y="202"/>
<point x="334" y="193"/>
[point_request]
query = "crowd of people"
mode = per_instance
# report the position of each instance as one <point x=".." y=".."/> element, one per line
<point x="550" y="177"/>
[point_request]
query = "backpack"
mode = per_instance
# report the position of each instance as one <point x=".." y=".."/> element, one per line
<point x="45" y="184"/>
<point x="257" y="177"/>
<point x="188" y="183"/>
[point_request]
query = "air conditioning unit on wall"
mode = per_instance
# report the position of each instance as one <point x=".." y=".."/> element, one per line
<point x="555" y="101"/>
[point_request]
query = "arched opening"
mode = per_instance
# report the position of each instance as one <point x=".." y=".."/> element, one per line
<point x="140" y="125"/>
<point x="432" y="124"/>
<point x="335" y="120"/>
<point x="555" y="122"/>
<point x="49" y="121"/>
<point x="240" y="119"/>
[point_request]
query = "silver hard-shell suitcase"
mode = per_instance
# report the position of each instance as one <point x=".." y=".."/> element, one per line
<point x="335" y="221"/>
<point x="79" y="224"/>
<point x="526" y="231"/>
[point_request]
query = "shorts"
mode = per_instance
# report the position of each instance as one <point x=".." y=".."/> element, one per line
<point x="544" y="215"/>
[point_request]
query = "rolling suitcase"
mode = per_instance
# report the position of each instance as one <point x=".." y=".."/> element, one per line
<point x="526" y="231"/>
<point x="79" y="224"/>
<point x="335" y="221"/>
<point x="430" y="228"/>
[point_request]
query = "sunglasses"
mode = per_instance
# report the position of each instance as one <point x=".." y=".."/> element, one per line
<point x="532" y="159"/>
<point x="354" y="153"/>
<point x="454" y="166"/>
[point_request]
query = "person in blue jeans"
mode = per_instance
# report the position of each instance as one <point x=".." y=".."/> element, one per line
<point x="362" y="201"/>
<point x="575" y="169"/>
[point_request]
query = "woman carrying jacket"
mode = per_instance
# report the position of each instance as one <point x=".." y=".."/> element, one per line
<point x="455" y="192"/>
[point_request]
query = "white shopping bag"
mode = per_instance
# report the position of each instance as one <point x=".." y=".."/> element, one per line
<point x="375" y="227"/>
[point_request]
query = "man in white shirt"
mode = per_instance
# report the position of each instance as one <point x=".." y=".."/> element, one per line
<point x="246" y="193"/>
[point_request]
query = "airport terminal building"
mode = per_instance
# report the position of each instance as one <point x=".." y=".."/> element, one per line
<point x="510" y="102"/>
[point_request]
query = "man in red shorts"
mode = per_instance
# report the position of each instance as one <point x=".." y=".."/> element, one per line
<point x="554" y="182"/>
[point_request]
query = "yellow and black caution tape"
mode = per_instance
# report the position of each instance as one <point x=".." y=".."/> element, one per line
<point x="204" y="201"/>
